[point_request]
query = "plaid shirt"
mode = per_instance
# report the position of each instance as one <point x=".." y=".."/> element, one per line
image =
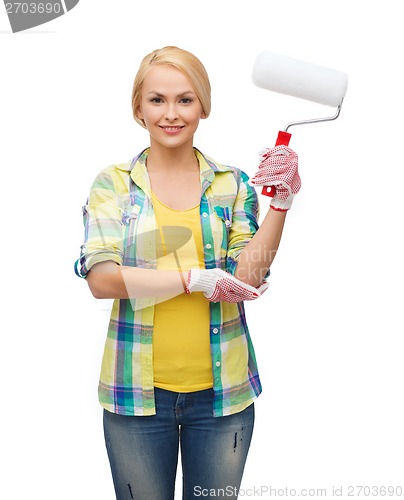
<point x="119" y="225"/>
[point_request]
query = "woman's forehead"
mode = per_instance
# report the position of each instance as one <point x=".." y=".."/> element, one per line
<point x="163" y="79"/>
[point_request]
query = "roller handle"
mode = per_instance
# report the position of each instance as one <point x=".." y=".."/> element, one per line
<point x="282" y="140"/>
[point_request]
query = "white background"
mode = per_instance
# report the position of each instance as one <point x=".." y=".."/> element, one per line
<point x="328" y="333"/>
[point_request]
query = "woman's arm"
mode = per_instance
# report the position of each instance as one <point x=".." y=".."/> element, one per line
<point x="258" y="255"/>
<point x="108" y="280"/>
<point x="278" y="168"/>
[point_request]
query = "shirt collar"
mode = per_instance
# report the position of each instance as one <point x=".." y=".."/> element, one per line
<point x="207" y="167"/>
<point x="138" y="171"/>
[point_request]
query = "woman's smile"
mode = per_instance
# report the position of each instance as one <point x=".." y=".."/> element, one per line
<point x="171" y="129"/>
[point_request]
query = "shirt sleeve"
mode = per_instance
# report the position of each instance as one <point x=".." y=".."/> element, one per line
<point x="244" y="222"/>
<point x="102" y="218"/>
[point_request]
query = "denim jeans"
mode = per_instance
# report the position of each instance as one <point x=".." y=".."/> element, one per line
<point x="143" y="450"/>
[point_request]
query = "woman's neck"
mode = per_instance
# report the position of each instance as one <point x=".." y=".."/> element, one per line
<point x="171" y="160"/>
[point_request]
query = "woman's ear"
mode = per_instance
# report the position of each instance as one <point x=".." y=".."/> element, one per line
<point x="139" y="116"/>
<point x="139" y="113"/>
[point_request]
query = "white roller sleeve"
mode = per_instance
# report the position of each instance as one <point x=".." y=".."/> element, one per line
<point x="296" y="78"/>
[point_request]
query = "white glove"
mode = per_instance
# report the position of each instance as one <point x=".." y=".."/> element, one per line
<point x="279" y="168"/>
<point x="218" y="285"/>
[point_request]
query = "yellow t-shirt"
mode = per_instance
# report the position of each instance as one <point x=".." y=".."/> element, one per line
<point x="181" y="346"/>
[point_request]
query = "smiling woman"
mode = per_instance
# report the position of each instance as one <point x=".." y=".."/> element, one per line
<point x="169" y="109"/>
<point x="183" y="61"/>
<point x="178" y="360"/>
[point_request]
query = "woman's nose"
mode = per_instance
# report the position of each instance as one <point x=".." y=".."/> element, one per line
<point x="171" y="113"/>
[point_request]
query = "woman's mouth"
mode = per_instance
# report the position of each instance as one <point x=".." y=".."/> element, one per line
<point x="171" y="130"/>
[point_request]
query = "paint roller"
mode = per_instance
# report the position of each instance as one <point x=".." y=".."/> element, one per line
<point x="296" y="78"/>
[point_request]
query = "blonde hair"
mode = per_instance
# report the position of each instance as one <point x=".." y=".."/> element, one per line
<point x="179" y="59"/>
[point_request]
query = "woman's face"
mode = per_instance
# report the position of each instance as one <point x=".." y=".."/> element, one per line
<point x="169" y="107"/>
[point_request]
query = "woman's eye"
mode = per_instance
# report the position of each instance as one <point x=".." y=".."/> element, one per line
<point x="186" y="100"/>
<point x="156" y="100"/>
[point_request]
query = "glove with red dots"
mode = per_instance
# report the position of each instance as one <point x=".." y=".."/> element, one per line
<point x="279" y="168"/>
<point x="218" y="285"/>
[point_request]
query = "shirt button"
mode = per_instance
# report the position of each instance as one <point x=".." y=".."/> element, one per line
<point x="204" y="214"/>
<point x="215" y="330"/>
<point x="217" y="363"/>
<point x="208" y="245"/>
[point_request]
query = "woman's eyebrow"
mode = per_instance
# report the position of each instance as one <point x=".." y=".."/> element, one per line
<point x="158" y="94"/>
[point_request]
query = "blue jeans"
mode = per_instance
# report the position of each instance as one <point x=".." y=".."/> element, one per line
<point x="143" y="451"/>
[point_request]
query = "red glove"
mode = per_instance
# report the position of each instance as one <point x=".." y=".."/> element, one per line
<point x="278" y="167"/>
<point x="217" y="285"/>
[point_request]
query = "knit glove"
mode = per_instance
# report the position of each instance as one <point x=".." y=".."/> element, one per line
<point x="218" y="285"/>
<point x="278" y="168"/>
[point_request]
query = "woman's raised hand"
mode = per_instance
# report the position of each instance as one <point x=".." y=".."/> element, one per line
<point x="279" y="168"/>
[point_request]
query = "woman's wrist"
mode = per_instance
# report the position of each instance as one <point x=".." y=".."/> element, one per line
<point x="185" y="278"/>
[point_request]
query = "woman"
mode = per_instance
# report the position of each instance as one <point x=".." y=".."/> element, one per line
<point x="173" y="237"/>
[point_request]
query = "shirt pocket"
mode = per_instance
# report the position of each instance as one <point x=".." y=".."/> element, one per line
<point x="222" y="226"/>
<point x="130" y="221"/>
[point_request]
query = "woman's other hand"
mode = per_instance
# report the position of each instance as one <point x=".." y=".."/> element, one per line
<point x="218" y="285"/>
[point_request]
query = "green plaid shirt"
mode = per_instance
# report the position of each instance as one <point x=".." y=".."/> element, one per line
<point x="118" y="216"/>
